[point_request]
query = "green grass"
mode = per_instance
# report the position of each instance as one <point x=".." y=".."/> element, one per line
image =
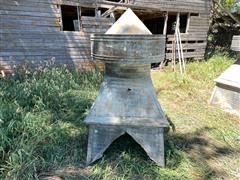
<point x="43" y="136"/>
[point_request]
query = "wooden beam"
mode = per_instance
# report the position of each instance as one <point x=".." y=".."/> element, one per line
<point x="165" y="24"/>
<point x="188" y="23"/>
<point x="79" y="17"/>
<point x="177" y="21"/>
<point x="60" y="20"/>
<point x="96" y="12"/>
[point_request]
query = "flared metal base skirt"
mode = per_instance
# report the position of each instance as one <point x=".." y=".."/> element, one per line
<point x="150" y="139"/>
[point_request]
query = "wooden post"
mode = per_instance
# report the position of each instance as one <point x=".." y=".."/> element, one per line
<point x="181" y="50"/>
<point x="112" y="16"/>
<point x="177" y="22"/>
<point x="61" y="23"/>
<point x="177" y="39"/>
<point x="164" y="33"/>
<point x="188" y="23"/>
<point x="79" y="17"/>
<point x="165" y="24"/>
<point x="174" y="53"/>
<point x="179" y="55"/>
<point x="98" y="13"/>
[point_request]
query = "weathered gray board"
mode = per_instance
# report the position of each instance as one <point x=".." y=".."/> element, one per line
<point x="195" y="6"/>
<point x="30" y="30"/>
<point x="226" y="93"/>
<point x="127" y="102"/>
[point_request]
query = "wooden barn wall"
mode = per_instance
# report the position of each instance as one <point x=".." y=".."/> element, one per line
<point x="30" y="31"/>
<point x="195" y="6"/>
<point x="194" y="41"/>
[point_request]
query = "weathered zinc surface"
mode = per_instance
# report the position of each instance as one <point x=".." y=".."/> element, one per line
<point x="226" y="93"/>
<point x="127" y="102"/>
<point x="34" y="30"/>
<point x="236" y="43"/>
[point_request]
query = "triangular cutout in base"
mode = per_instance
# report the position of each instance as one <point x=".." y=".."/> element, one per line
<point x="101" y="137"/>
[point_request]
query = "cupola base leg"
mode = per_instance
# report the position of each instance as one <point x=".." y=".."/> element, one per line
<point x="150" y="139"/>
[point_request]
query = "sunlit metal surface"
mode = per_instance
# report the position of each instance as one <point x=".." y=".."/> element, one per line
<point x="226" y="93"/>
<point x="127" y="102"/>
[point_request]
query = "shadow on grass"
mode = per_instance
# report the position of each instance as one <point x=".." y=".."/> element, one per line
<point x="126" y="159"/>
<point x="199" y="149"/>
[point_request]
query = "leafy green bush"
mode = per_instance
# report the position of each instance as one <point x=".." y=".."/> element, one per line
<point x="229" y="3"/>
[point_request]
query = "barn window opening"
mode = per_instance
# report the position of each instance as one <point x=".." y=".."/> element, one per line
<point x="183" y="20"/>
<point x="183" y="23"/>
<point x="101" y="11"/>
<point x="171" y="24"/>
<point x="122" y="1"/>
<point x="191" y="42"/>
<point x="87" y="11"/>
<point x="69" y="14"/>
<point x="190" y="50"/>
<point x="155" y="25"/>
<point x="114" y="0"/>
<point x="194" y="14"/>
<point x="106" y="13"/>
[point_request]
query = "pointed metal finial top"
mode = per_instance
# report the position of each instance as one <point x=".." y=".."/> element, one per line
<point x="128" y="23"/>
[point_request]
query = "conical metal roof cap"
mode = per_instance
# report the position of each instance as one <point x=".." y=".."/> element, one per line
<point x="128" y="23"/>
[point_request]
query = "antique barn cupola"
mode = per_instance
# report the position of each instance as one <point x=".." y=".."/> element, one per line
<point x="127" y="102"/>
<point x="226" y="93"/>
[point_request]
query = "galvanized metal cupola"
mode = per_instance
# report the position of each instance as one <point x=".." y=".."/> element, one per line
<point x="226" y="93"/>
<point x="127" y="102"/>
